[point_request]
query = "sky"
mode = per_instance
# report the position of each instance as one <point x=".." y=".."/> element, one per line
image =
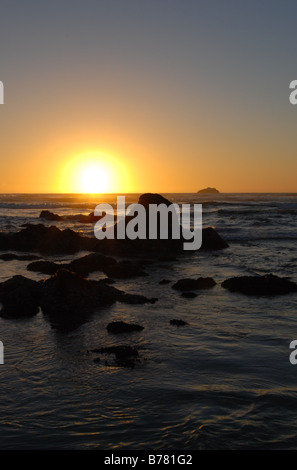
<point x="148" y="96"/>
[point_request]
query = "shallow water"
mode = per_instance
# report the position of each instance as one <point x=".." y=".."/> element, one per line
<point x="224" y="381"/>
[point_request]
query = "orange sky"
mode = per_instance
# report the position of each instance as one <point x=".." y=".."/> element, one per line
<point x="160" y="99"/>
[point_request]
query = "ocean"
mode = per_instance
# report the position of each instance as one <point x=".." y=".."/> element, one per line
<point x="222" y="381"/>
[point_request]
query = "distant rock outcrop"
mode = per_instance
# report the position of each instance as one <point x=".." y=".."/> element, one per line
<point x="208" y="191"/>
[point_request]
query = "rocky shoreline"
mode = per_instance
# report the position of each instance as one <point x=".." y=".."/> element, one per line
<point x="67" y="298"/>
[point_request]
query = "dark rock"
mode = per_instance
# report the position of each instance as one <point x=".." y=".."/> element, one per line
<point x="135" y="299"/>
<point x="19" y="297"/>
<point x="152" y="198"/>
<point x="164" y="281"/>
<point x="50" y="216"/>
<point x="194" y="284"/>
<point x="5" y="241"/>
<point x="84" y="219"/>
<point x="91" y="263"/>
<point x="67" y="294"/>
<point x="45" y="267"/>
<point x="178" y="322"/>
<point x="211" y="240"/>
<point x="13" y="256"/>
<point x="208" y="191"/>
<point x="68" y="299"/>
<point x="65" y="298"/>
<point x="124" y="270"/>
<point x="166" y="259"/>
<point x="111" y="267"/>
<point x="189" y="295"/>
<point x="125" y="356"/>
<point x="49" y="240"/>
<point x="122" y="327"/>
<point x="106" y="280"/>
<point x="260" y="285"/>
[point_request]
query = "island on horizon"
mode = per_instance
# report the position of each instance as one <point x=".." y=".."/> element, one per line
<point x="208" y="191"/>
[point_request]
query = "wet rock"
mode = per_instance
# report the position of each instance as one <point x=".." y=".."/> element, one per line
<point x="19" y="297"/>
<point x="167" y="259"/>
<point x="45" y="267"/>
<point x="194" y="284"/>
<point x="135" y="299"/>
<point x="84" y="219"/>
<point x="48" y="240"/>
<point x="91" y="263"/>
<point x="5" y="241"/>
<point x="67" y="294"/>
<point x="153" y="198"/>
<point x="189" y="295"/>
<point x="178" y="322"/>
<point x="50" y="216"/>
<point x="164" y="282"/>
<point x="13" y="256"/>
<point x="125" y="356"/>
<point x="117" y="327"/>
<point x="106" y="280"/>
<point x="68" y="299"/>
<point x="124" y="270"/>
<point x="260" y="285"/>
<point x="211" y="240"/>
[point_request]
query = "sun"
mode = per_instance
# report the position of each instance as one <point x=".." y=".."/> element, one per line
<point x="94" y="173"/>
<point x="94" y="179"/>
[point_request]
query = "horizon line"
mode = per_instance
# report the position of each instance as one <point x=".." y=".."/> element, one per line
<point x="145" y="192"/>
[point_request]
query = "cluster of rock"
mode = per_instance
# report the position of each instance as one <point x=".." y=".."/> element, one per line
<point x="91" y="263"/>
<point x="38" y="238"/>
<point x="64" y="298"/>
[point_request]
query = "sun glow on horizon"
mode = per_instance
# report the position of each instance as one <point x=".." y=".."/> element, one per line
<point x="94" y="173"/>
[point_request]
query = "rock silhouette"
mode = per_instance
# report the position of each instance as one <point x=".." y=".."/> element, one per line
<point x="208" y="191"/>
<point x="194" y="284"/>
<point x="20" y="297"/>
<point x="92" y="263"/>
<point x="125" y="356"/>
<point x="260" y="285"/>
<point x="47" y="215"/>
<point x="65" y="298"/>
<point x="37" y="238"/>
<point x="177" y="322"/>
<point x="117" y="327"/>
